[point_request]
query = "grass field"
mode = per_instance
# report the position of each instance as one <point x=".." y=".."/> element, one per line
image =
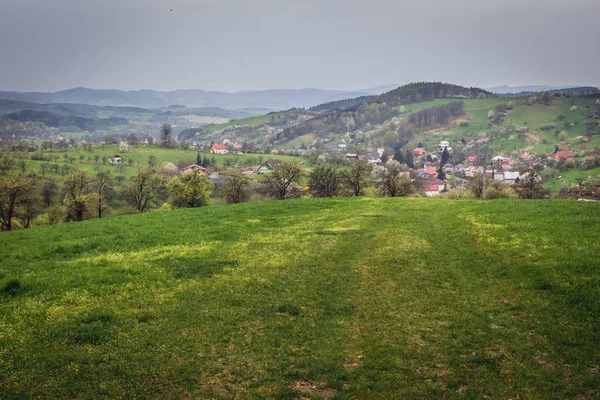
<point x="336" y="298"/>
<point x="251" y="121"/>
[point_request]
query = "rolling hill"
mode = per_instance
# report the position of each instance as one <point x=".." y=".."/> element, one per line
<point x="334" y="298"/>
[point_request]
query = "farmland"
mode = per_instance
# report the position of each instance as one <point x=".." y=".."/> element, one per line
<point x="335" y="298"/>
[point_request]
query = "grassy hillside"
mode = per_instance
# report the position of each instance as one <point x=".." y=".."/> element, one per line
<point x="346" y="298"/>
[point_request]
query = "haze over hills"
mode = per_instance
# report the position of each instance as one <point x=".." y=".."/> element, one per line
<point x="275" y="99"/>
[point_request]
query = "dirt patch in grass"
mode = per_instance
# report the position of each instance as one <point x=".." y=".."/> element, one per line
<point x="312" y="390"/>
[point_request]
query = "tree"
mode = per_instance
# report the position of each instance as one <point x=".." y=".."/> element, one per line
<point x="393" y="183"/>
<point x="48" y="191"/>
<point x="357" y="177"/>
<point x="530" y="186"/>
<point x="190" y="190"/>
<point x="445" y="156"/>
<point x="152" y="161"/>
<point x="144" y="190"/>
<point x="477" y="185"/>
<point x="441" y="174"/>
<point x="325" y="180"/>
<point x="281" y="179"/>
<point x="75" y="200"/>
<point x="130" y="162"/>
<point x="15" y="191"/>
<point x="199" y="159"/>
<point x="103" y="190"/>
<point x="166" y="133"/>
<point x="235" y="190"/>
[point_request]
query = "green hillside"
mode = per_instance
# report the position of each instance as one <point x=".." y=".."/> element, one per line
<point x="337" y="298"/>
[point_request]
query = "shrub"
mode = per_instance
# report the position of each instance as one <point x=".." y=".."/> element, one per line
<point x="574" y="108"/>
<point x="547" y="127"/>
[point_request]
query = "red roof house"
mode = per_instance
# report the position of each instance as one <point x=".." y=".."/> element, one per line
<point x="564" y="155"/>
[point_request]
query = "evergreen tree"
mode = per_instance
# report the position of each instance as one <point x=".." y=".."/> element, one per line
<point x="399" y="156"/>
<point x="198" y="159"/>
<point x="205" y="162"/>
<point x="441" y="175"/>
<point x="408" y="158"/>
<point x="445" y="156"/>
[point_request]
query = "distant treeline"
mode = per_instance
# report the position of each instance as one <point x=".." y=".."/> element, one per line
<point x="61" y="121"/>
<point x="427" y="91"/>
<point x="342" y="104"/>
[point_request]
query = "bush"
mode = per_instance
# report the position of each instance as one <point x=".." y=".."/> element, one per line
<point x="547" y="127"/>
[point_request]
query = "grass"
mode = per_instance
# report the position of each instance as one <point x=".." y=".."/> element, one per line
<point x="250" y="121"/>
<point x="344" y="298"/>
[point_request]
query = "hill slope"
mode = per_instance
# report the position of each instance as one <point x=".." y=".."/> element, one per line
<point x="355" y="298"/>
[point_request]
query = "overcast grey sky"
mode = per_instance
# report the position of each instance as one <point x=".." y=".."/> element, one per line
<point x="230" y="45"/>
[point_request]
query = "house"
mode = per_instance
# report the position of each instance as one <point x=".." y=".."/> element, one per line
<point x="430" y="171"/>
<point x="115" y="159"/>
<point x="217" y="182"/>
<point x="433" y="187"/>
<point x="512" y="177"/>
<point x="422" y="174"/>
<point x="471" y="171"/>
<point x="472" y="159"/>
<point x="238" y="165"/>
<point x="373" y="158"/>
<point x="218" y="148"/>
<point x="564" y="155"/>
<point x="380" y="151"/>
<point x="444" y="145"/>
<point x="195" y="168"/>
<point x="433" y="164"/>
<point x="419" y="152"/>
<point x="250" y="171"/>
<point x="268" y="166"/>
<point x="527" y="156"/>
<point x="351" y="156"/>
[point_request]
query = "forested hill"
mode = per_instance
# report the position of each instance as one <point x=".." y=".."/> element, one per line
<point x="59" y="121"/>
<point x="378" y="109"/>
<point x="342" y="104"/>
<point x="426" y="91"/>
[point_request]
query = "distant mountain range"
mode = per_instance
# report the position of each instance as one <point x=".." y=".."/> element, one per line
<point x="278" y="99"/>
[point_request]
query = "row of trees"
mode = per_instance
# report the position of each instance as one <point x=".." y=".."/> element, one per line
<point x="327" y="180"/>
<point x="83" y="196"/>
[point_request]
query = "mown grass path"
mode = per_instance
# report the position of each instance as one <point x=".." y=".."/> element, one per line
<point x="337" y="298"/>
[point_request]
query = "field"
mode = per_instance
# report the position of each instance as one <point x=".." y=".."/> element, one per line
<point x="251" y="121"/>
<point x="207" y="120"/>
<point x="336" y="298"/>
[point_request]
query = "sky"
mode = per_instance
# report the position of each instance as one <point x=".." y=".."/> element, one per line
<point x="232" y="45"/>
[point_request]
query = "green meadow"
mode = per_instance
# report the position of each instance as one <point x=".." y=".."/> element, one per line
<point x="250" y="121"/>
<point x="347" y="298"/>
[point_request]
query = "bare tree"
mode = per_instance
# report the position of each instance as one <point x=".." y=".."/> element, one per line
<point x="103" y="189"/>
<point x="325" y="181"/>
<point x="75" y="190"/>
<point x="280" y="181"/>
<point x="357" y="177"/>
<point x="48" y="191"/>
<point x="144" y="190"/>
<point x="15" y="191"/>
<point x="235" y="190"/>
<point x="393" y="183"/>
<point x="166" y="135"/>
